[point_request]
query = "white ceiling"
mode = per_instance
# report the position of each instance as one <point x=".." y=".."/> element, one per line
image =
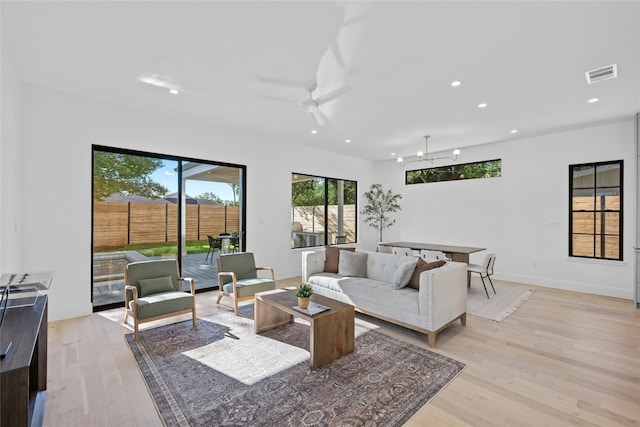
<point x="526" y="60"/>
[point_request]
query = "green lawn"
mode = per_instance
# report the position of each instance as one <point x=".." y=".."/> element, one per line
<point x="158" y="249"/>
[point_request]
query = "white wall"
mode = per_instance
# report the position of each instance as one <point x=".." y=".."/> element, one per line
<point x="56" y="177"/>
<point x="522" y="216"/>
<point x="10" y="160"/>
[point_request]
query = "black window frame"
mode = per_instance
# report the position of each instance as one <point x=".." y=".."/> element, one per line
<point x="326" y="208"/>
<point x="601" y="233"/>
<point x="447" y="173"/>
<point x="179" y="219"/>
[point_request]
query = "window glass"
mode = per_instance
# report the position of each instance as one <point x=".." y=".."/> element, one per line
<point x="148" y="206"/>
<point x="596" y="210"/>
<point x="323" y="211"/>
<point x="476" y="170"/>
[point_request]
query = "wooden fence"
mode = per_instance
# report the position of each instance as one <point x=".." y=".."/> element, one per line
<point x="116" y="224"/>
<point x="589" y="228"/>
<point x="312" y="219"/>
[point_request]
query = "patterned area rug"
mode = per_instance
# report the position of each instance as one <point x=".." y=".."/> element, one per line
<point x="508" y="297"/>
<point x="221" y="373"/>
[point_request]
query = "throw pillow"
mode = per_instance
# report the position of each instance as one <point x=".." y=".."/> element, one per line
<point x="352" y="264"/>
<point x="403" y="274"/>
<point x="332" y="255"/>
<point x="421" y="265"/>
<point x="155" y="285"/>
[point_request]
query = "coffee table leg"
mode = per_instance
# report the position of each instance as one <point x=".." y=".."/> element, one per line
<point x="268" y="317"/>
<point x="331" y="337"/>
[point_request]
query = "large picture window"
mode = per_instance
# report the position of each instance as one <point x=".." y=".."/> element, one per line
<point x="595" y="206"/>
<point x="150" y="206"/>
<point x="323" y="211"/>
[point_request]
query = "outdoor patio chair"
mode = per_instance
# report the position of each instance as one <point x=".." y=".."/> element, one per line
<point x="238" y="278"/>
<point x="484" y="270"/>
<point x="214" y="243"/>
<point x="153" y="290"/>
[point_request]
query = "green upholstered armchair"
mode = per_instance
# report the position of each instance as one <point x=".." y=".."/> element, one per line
<point x="153" y="290"/>
<point x="238" y="277"/>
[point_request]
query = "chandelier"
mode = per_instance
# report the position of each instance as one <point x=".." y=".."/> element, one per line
<point x="424" y="155"/>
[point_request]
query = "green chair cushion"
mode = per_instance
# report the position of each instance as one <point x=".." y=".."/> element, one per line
<point x="163" y="303"/>
<point x="155" y="285"/>
<point x="243" y="264"/>
<point x="142" y="270"/>
<point x="248" y="287"/>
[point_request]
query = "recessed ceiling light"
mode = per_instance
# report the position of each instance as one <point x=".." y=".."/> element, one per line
<point x="592" y="100"/>
<point x="347" y="141"/>
<point x="456" y="83"/>
<point x="173" y="92"/>
<point x="482" y="105"/>
<point x="393" y="154"/>
<point x="514" y="130"/>
<point x="314" y="131"/>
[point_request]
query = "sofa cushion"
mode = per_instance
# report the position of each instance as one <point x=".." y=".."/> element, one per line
<point x="155" y="285"/>
<point x="382" y="267"/>
<point x="421" y="265"/>
<point x="403" y="274"/>
<point x="332" y="255"/>
<point x="352" y="264"/>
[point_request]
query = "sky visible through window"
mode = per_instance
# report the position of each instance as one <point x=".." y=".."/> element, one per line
<point x="168" y="177"/>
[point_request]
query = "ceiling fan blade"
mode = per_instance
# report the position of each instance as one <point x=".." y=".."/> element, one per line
<point x="328" y="97"/>
<point x="318" y="116"/>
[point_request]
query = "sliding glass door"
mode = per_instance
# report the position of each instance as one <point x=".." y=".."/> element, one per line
<point x="148" y="206"/>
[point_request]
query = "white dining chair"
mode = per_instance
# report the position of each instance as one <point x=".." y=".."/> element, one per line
<point x="384" y="249"/>
<point x="401" y="251"/>
<point x="433" y="255"/>
<point x="484" y="270"/>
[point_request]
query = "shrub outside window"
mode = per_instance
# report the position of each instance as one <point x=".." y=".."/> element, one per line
<point x="475" y="170"/>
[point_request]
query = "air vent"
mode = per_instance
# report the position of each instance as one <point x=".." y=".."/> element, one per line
<point x="604" y="73"/>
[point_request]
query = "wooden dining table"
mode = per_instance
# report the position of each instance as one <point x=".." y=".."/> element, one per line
<point x="456" y="253"/>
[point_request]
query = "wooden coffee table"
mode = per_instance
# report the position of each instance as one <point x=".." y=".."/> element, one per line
<point x="332" y="331"/>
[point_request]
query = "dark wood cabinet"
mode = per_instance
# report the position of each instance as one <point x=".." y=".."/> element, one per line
<point x="23" y="372"/>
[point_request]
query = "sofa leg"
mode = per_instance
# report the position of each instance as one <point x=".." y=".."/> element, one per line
<point x="432" y="339"/>
<point x="463" y="319"/>
<point x="193" y="315"/>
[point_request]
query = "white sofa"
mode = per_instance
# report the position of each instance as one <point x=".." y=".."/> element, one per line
<point x="440" y="300"/>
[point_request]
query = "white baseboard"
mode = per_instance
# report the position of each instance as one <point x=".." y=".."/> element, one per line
<point x="589" y="288"/>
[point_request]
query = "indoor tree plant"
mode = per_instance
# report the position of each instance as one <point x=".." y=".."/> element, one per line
<point x="379" y="205"/>
<point x="303" y="292"/>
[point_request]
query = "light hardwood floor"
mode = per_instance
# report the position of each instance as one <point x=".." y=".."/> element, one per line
<point x="562" y="359"/>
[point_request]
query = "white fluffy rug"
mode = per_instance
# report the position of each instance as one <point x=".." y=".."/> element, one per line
<point x="509" y="296"/>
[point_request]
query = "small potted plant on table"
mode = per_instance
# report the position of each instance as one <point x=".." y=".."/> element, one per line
<point x="303" y="292"/>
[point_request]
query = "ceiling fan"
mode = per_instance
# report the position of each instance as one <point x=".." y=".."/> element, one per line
<point x="310" y="105"/>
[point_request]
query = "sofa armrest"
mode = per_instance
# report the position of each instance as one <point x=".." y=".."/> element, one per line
<point x="443" y="294"/>
<point x="312" y="263"/>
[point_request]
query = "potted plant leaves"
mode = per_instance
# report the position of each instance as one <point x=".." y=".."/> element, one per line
<point x="303" y="292"/>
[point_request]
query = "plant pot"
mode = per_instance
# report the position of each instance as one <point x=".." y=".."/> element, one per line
<point x="303" y="302"/>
